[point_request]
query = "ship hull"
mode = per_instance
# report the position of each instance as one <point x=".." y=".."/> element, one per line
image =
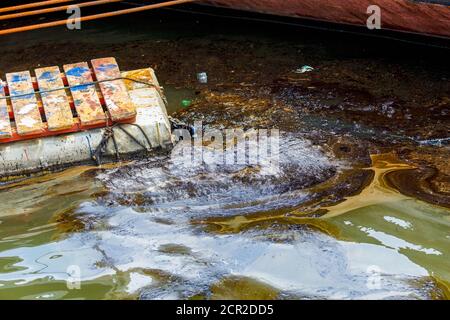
<point x="430" y="18"/>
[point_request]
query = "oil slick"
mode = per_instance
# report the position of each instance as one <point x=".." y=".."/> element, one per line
<point x="376" y="191"/>
<point x="266" y="259"/>
<point x="383" y="215"/>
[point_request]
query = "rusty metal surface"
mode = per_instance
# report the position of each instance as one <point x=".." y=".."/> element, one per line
<point x="56" y="104"/>
<point x="145" y="75"/>
<point x="400" y="15"/>
<point x="85" y="97"/>
<point x="114" y="92"/>
<point x="26" y="112"/>
<point x="5" y="124"/>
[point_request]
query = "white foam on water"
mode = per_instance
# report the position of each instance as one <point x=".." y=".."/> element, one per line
<point x="225" y="189"/>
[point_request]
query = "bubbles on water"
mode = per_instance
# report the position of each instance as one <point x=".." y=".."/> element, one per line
<point x="167" y="184"/>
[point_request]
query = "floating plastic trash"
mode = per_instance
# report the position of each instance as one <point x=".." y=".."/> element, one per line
<point x="202" y="77"/>
<point x="304" y="69"/>
<point x="186" y="103"/>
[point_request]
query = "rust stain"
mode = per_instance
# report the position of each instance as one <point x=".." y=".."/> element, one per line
<point x="114" y="92"/>
<point x="56" y="104"/>
<point x="84" y="95"/>
<point x="26" y="111"/>
<point x="5" y="125"/>
<point x="144" y="75"/>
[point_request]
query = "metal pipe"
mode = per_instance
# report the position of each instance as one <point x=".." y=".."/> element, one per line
<point x="54" y="9"/>
<point x="96" y="16"/>
<point x="32" y="5"/>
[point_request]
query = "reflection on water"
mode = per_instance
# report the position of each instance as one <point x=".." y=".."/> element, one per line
<point x="382" y="215"/>
<point x="145" y="230"/>
<point x="329" y="224"/>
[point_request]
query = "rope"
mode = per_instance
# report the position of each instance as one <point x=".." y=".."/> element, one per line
<point x="150" y="84"/>
<point x="159" y="89"/>
<point x="108" y="134"/>
<point x="142" y="131"/>
<point x="101" y="148"/>
<point x="54" y="9"/>
<point x="96" y="16"/>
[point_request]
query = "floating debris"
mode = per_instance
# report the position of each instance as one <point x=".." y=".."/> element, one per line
<point x="304" y="69"/>
<point x="202" y="77"/>
<point x="186" y="103"/>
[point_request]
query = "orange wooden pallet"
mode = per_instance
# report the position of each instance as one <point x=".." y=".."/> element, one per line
<point x="54" y="103"/>
<point x="23" y="99"/>
<point x="115" y="92"/>
<point x="5" y="125"/>
<point x="84" y="94"/>
<point x="57" y="108"/>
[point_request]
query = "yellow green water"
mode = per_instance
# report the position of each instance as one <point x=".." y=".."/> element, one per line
<point x="43" y="223"/>
<point x="382" y="215"/>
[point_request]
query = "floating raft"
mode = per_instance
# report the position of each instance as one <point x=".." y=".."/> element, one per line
<point x="57" y="119"/>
